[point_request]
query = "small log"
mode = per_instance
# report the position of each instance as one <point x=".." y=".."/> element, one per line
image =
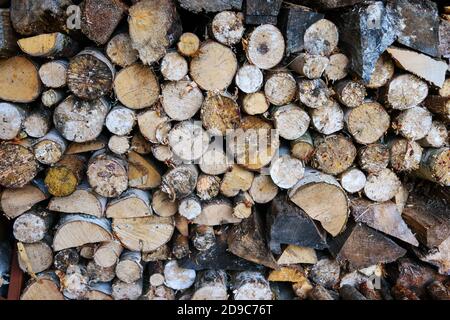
<point x="247" y="240"/>
<point x="214" y="161"/>
<point x="315" y="93"/>
<point x="64" y="258"/>
<point x="288" y="224"/>
<point x="15" y="202"/>
<point x="50" y="148"/>
<point x="161" y="18"/>
<point x="326" y="272"/>
<point x="19" y="80"/>
<point x="99" y="274"/>
<point x="77" y="230"/>
<point x="332" y="214"/>
<point x="45" y="287"/>
<point x="143" y="234"/>
<point x="126" y="291"/>
<point x="373" y="157"/>
<point x="383" y="217"/>
<point x="202" y="69"/>
<point x="35" y="257"/>
<point x="174" y="66"/>
<point x="162" y="205"/>
<point x="414" y="123"/>
<point x="338" y="67"/>
<point x="120" y="50"/>
<point x="17" y="165"/>
<point x="32" y="226"/>
<point x="190" y="207"/>
<point x="49" y="45"/>
<point x="437" y="136"/>
<point x="161" y="254"/>
<point x="8" y="38"/>
<point x="350" y="93"/>
<point x="216" y="212"/>
<point x="353" y="180"/>
<point x="180" y="246"/>
<point x="120" y="120"/>
<point x="129" y="269"/>
<point x="260" y="51"/>
<point x="210" y="6"/>
<point x="368" y="122"/>
<point x="243" y="205"/>
<point x="136" y="86"/>
<point x="291" y="121"/>
<point x="235" y="180"/>
<point x="406" y="91"/>
<point x="203" y="237"/>
<point x="208" y="186"/>
<point x="63" y="178"/>
<point x="188" y="140"/>
<point x="405" y="154"/>
<point x="52" y="97"/>
<point x="280" y="88"/>
<point x="263" y="190"/>
<point x="182" y="225"/>
<point x="308" y="65"/>
<point x="87" y="251"/>
<point x="261" y="11"/>
<point x="119" y="145"/>
<point x="75" y="282"/>
<point x="292" y="274"/>
<point x="13" y="117"/>
<point x="107" y="254"/>
<point x="181" y="99"/>
<point x="249" y="78"/>
<point x="286" y="171"/>
<point x="250" y="285"/>
<point x="303" y="147"/>
<point x="219" y="114"/>
<point x="255" y="103"/>
<point x="321" y="38"/>
<point x="180" y="181"/>
<point x="333" y="154"/>
<point x="382" y="185"/>
<point x="211" y="285"/>
<point x="90" y="75"/>
<point x="142" y="174"/>
<point x="434" y="166"/>
<point x="188" y="44"/>
<point x="149" y="121"/>
<point x="302" y="289"/>
<point x="96" y="29"/>
<point x="295" y="255"/>
<point x="133" y="203"/>
<point x="228" y="27"/>
<point x="383" y="72"/>
<point x="37" y="123"/>
<point x="177" y="277"/>
<point x="328" y="119"/>
<point x="362" y="247"/>
<point x="53" y="74"/>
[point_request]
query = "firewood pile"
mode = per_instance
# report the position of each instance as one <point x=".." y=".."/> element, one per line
<point x="227" y="149"/>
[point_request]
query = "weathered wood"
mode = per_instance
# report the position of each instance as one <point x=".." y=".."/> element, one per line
<point x="228" y="27"/>
<point x="63" y="178"/>
<point x="133" y="203"/>
<point x="32" y="226"/>
<point x="434" y="166"/>
<point x="64" y="258"/>
<point x="250" y="285"/>
<point x="45" y="287"/>
<point x="309" y="65"/>
<point x="37" y="122"/>
<point x="54" y="73"/>
<point x="188" y="44"/>
<point x="49" y="45"/>
<point x="333" y="154"/>
<point x="180" y="181"/>
<point x="216" y="212"/>
<point x="210" y="5"/>
<point x="261" y="11"/>
<point x="203" y="237"/>
<point x="107" y="254"/>
<point x="211" y="285"/>
<point x="260" y="51"/>
<point x="373" y="157"/>
<point x="129" y="269"/>
<point x="321" y="38"/>
<point x="405" y="154"/>
<point x="8" y="38"/>
<point x="286" y="171"/>
<point x="383" y="72"/>
<point x="303" y="147"/>
<point x="337" y="68"/>
<point x="353" y="180"/>
<point x="142" y="173"/>
<point x="188" y="140"/>
<point x="174" y="66"/>
<point x="17" y="165"/>
<point x="208" y="186"/>
<point x="13" y="117"/>
<point x="50" y="148"/>
<point x="414" y="123"/>
<point x="255" y="103"/>
<point x="120" y="120"/>
<point x="315" y="93"/>
<point x="436" y="137"/>
<point x="120" y="50"/>
<point x="177" y="277"/>
<point x="382" y="185"/>
<point x="280" y="88"/>
<point x="35" y="257"/>
<point x="295" y="254"/>
<point x="15" y="202"/>
<point x="126" y="291"/>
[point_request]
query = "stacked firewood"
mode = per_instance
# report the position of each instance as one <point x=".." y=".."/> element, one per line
<point x="230" y="149"/>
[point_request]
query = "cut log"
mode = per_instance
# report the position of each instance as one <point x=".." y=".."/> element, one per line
<point x="34" y="257"/>
<point x="64" y="258"/>
<point x="182" y="225"/>
<point x="32" y="226"/>
<point x="293" y="274"/>
<point x="17" y="165"/>
<point x="133" y="203"/>
<point x="280" y="88"/>
<point x="150" y="120"/>
<point x="208" y="186"/>
<point x="383" y="72"/>
<point x="414" y="123"/>
<point x="49" y="45"/>
<point x="249" y="78"/>
<point x="77" y="230"/>
<point x="328" y="119"/>
<point x="211" y="285"/>
<point x="235" y="180"/>
<point x="315" y="93"/>
<point x="161" y="254"/>
<point x="180" y="182"/>
<point x="219" y="114"/>
<point x="181" y="99"/>
<point x="437" y="136"/>
<point x="308" y="65"/>
<point x="99" y="292"/>
<point x="88" y="146"/>
<point x="180" y="246"/>
<point x="326" y="272"/>
<point x="143" y="234"/>
<point x="295" y="255"/>
<point x="53" y="74"/>
<point x="215" y="161"/>
<point x="263" y="190"/>
<point x="177" y="277"/>
<point x="434" y="166"/>
<point x="406" y="91"/>
<point x="96" y="29"/>
<point x="15" y="202"/>
<point x="19" y="80"/>
<point x="45" y="287"/>
<point x="162" y="205"/>
<point x="348" y="292"/>
<point x="350" y="93"/>
<point x="87" y="251"/>
<point x="120" y="50"/>
<point x="142" y="174"/>
<point x="291" y="121"/>
<point x="353" y="180"/>
<point x="362" y="247"/>
<point x="188" y="140"/>
<point x="120" y="120"/>
<point x="373" y="157"/>
<point x="8" y="38"/>
<point x="190" y="207"/>
<point x="383" y="217"/>
<point x="99" y="274"/>
<point x="303" y="147"/>
<point x="107" y="254"/>
<point x="161" y="18"/>
<point x="333" y="213"/>
<point x="126" y="291"/>
<point x="80" y="120"/>
<point x="140" y="145"/>
<point x="382" y="185"/>
<point x="119" y="145"/>
<point x="255" y="103"/>
<point x="368" y="122"/>
<point x="288" y="224"/>
<point x="265" y="46"/>
<point x="12" y="118"/>
<point x="249" y="285"/>
<point x="439" y="106"/>
<point x="405" y="154"/>
<point x="50" y="148"/>
<point x="37" y="122"/>
<point x="174" y="66"/>
<point x="129" y="269"/>
<point x="302" y="289"/>
<point x="321" y="38"/>
<point x="203" y="237"/>
<point x="247" y="240"/>
<point x="338" y="67"/>
<point x="216" y="212"/>
<point x="203" y="67"/>
<point x="63" y="178"/>
<point x="333" y="154"/>
<point x="228" y="27"/>
<point x="286" y="171"/>
<point x="188" y="44"/>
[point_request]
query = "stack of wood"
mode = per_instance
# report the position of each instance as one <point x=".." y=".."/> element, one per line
<point x="268" y="151"/>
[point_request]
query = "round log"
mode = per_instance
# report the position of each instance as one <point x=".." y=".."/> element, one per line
<point x="133" y="203"/>
<point x="291" y="121"/>
<point x="265" y="46"/>
<point x="310" y="66"/>
<point x="353" y="180"/>
<point x="249" y="78"/>
<point x="63" y="178"/>
<point x="434" y="166"/>
<point x="211" y="285"/>
<point x="120" y="120"/>
<point x="17" y="165"/>
<point x="280" y="88"/>
<point x="36" y="257"/>
<point x="50" y="148"/>
<point x="414" y="123"/>
<point x="180" y="181"/>
<point x="188" y="44"/>
<point x="382" y="185"/>
<point x="190" y="207"/>
<point x="315" y="93"/>
<point x="130" y="269"/>
<point x="162" y="205"/>
<point x="250" y="285"/>
<point x="178" y="278"/>
<point x="350" y="93"/>
<point x="338" y="67"/>
<point x="208" y="186"/>
<point x="120" y="50"/>
<point x="219" y="114"/>
<point x="321" y="38"/>
<point x="12" y="117"/>
<point x="228" y="27"/>
<point x="255" y="103"/>
<point x="405" y="155"/>
<point x="188" y="140"/>
<point x="263" y="189"/>
<point x="53" y="74"/>
<point x="107" y="254"/>
<point x="32" y="226"/>
<point x="333" y="154"/>
<point x="181" y="100"/>
<point x="373" y="157"/>
<point x="286" y="171"/>
<point x="406" y="91"/>
<point x="436" y="137"/>
<point x="383" y="72"/>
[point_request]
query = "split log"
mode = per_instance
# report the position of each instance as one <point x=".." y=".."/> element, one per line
<point x="249" y="78"/>
<point x="161" y="254"/>
<point x="162" y="205"/>
<point x="188" y="44"/>
<point x="162" y="19"/>
<point x="211" y="285"/>
<point x="286" y="171"/>
<point x="308" y="65"/>
<point x="210" y="6"/>
<point x="203" y="237"/>
<point x="293" y="255"/>
<point x="180" y="181"/>
<point x="126" y="291"/>
<point x="45" y="287"/>
<point x="99" y="274"/>
<point x="333" y="154"/>
<point x="434" y="166"/>
<point x="405" y="154"/>
<point x="80" y="120"/>
<point x="177" y="277"/>
<point x="247" y="240"/>
<point x="362" y="247"/>
<point x="90" y="75"/>
<point x="228" y="27"/>
<point x="414" y="123"/>
<point x="303" y="147"/>
<point x="8" y="38"/>
<point x="280" y="88"/>
<point x="421" y="65"/>
<point x="321" y="38"/>
<point x="81" y="147"/>
<point x="63" y="178"/>
<point x="292" y="274"/>
<point x="34" y="257"/>
<point x="255" y="103"/>
<point x="133" y="203"/>
<point x="143" y="234"/>
<point x="383" y="217"/>
<point x="142" y="174"/>
<point x="180" y="246"/>
<point x="77" y="230"/>
<point x="328" y="119"/>
<point x="120" y="120"/>
<point x="333" y="213"/>
<point x="263" y="190"/>
<point x="120" y="50"/>
<point x="315" y="93"/>
<point x="367" y="122"/>
<point x="82" y="200"/>
<point x="320" y="293"/>
<point x="249" y="285"/>
<point x="406" y="91"/>
<point x="353" y="180"/>
<point x="174" y="66"/>
<point x="382" y="185"/>
<point x="235" y="180"/>
<point x="216" y="212"/>
<point x="129" y="269"/>
<point x="288" y="224"/>
<point x="243" y="205"/>
<point x="96" y="29"/>
<point x="49" y="45"/>
<point x="338" y="67"/>
<point x="326" y="272"/>
<point x="181" y="99"/>
<point x="13" y="117"/>
<point x="136" y="86"/>
<point x="19" y="80"/>
<point x="15" y="202"/>
<point x="50" y="148"/>
<point x="438" y="291"/>
<point x="53" y="74"/>
<point x="437" y="136"/>
<point x="37" y="122"/>
<point x="438" y="257"/>
<point x="188" y="140"/>
<point x="182" y="225"/>
<point x="382" y="73"/>
<point x="140" y="145"/>
<point x="107" y="254"/>
<point x="164" y="154"/>
<point x="439" y="106"/>
<point x="262" y="52"/>
<point x="190" y="207"/>
<point x="17" y="165"/>
<point x="64" y="258"/>
<point x="202" y="67"/>
<point x="373" y="157"/>
<point x="302" y="289"/>
<point x="32" y="226"/>
<point x="208" y="186"/>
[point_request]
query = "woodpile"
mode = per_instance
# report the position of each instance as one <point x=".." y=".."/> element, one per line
<point x="232" y="149"/>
